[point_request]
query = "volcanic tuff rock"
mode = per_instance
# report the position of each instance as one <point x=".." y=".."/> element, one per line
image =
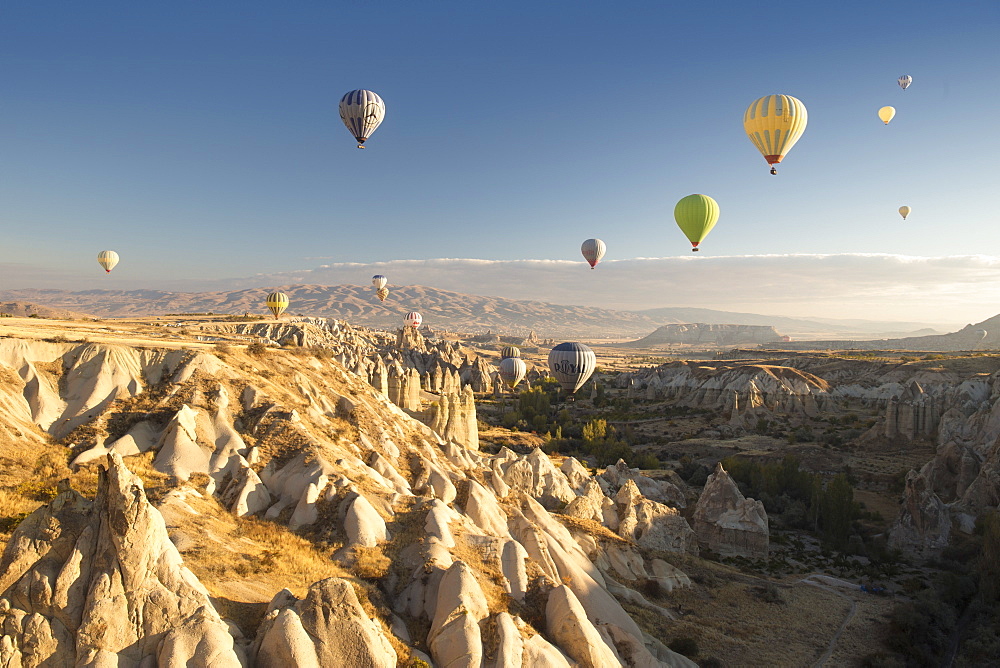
<point x="726" y="522"/>
<point x="108" y="587"/>
<point x="306" y="442"/>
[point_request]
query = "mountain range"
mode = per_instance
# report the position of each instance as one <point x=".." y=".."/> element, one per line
<point x="448" y="310"/>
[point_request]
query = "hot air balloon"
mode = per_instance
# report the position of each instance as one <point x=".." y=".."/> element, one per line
<point x="905" y="81"/>
<point x="904" y="211"/>
<point x="774" y="123"/>
<point x="696" y="215"/>
<point x="379" y="281"/>
<point x="362" y="111"/>
<point x="107" y="259"/>
<point x="886" y="114"/>
<point x="593" y="250"/>
<point x="981" y="333"/>
<point x="277" y="302"/>
<point x="512" y="371"/>
<point x="382" y="293"/>
<point x="509" y="351"/>
<point x="571" y="364"/>
<point x="413" y="319"/>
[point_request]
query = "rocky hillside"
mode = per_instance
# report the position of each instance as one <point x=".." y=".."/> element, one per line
<point x="238" y="504"/>
<point x="28" y="310"/>
<point x="969" y="337"/>
<point x="707" y="334"/>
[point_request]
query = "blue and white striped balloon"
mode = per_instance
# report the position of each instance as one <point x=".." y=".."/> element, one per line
<point x="905" y="81"/>
<point x="572" y="364"/>
<point x="362" y="111"/>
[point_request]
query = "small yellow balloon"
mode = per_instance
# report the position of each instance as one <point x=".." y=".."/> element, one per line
<point x="886" y="114"/>
<point x="904" y="211"/>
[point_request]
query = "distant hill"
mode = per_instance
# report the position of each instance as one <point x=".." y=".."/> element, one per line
<point x="792" y="326"/>
<point x="967" y="338"/>
<point x="442" y="309"/>
<point x="705" y="333"/>
<point x="20" y="309"/>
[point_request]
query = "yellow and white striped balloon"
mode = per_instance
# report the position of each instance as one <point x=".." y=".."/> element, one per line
<point x="107" y="259"/>
<point x="277" y="302"/>
<point x="774" y="123"/>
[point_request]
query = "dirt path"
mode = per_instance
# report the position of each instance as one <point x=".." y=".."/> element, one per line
<point x="830" y="585"/>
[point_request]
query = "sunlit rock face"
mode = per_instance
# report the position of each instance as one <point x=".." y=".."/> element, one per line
<point x="728" y="523"/>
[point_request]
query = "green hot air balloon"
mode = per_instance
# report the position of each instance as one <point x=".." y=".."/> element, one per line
<point x="696" y="215"/>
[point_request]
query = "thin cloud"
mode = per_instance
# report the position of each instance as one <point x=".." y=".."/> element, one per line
<point x="866" y="285"/>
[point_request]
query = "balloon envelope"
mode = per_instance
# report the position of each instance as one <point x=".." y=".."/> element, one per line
<point x="904" y="211"/>
<point x="107" y="259"/>
<point x="572" y="364"/>
<point x="509" y="351"/>
<point x="382" y="293"/>
<point x="981" y="333"/>
<point x="379" y="281"/>
<point x="696" y="215"/>
<point x="886" y="114"/>
<point x="905" y="81"/>
<point x="362" y="111"/>
<point x="413" y="319"/>
<point x="774" y="123"/>
<point x="512" y="371"/>
<point x="593" y="250"/>
<point x="277" y="302"/>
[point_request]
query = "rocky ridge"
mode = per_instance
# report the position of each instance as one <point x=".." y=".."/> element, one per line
<point x="307" y="442"/>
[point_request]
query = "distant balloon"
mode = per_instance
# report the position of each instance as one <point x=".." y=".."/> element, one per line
<point x="905" y="81"/>
<point x="774" y="123"/>
<point x="696" y="215"/>
<point x="981" y="333"/>
<point x="572" y="364"/>
<point x="904" y="211"/>
<point x="362" y="111"/>
<point x="593" y="250"/>
<point x="413" y="319"/>
<point x="277" y="302"/>
<point x="509" y="351"/>
<point x="379" y="281"/>
<point x="382" y="293"/>
<point x="107" y="259"/>
<point x="886" y="114"/>
<point x="512" y="371"/>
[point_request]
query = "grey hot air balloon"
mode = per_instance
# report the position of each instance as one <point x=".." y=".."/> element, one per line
<point x="572" y="364"/>
<point x="512" y="371"/>
<point x="593" y="250"/>
<point x="509" y="351"/>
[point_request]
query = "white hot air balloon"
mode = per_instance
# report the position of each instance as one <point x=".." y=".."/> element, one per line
<point x="413" y="319"/>
<point x="905" y="81"/>
<point x="593" y="250"/>
<point x="512" y="371"/>
<point x="379" y="281"/>
<point x="107" y="259"/>
<point x="362" y="111"/>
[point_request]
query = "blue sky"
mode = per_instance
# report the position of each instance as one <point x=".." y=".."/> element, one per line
<point x="202" y="142"/>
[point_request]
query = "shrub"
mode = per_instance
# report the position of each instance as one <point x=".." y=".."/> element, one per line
<point x="257" y="349"/>
<point x="685" y="645"/>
